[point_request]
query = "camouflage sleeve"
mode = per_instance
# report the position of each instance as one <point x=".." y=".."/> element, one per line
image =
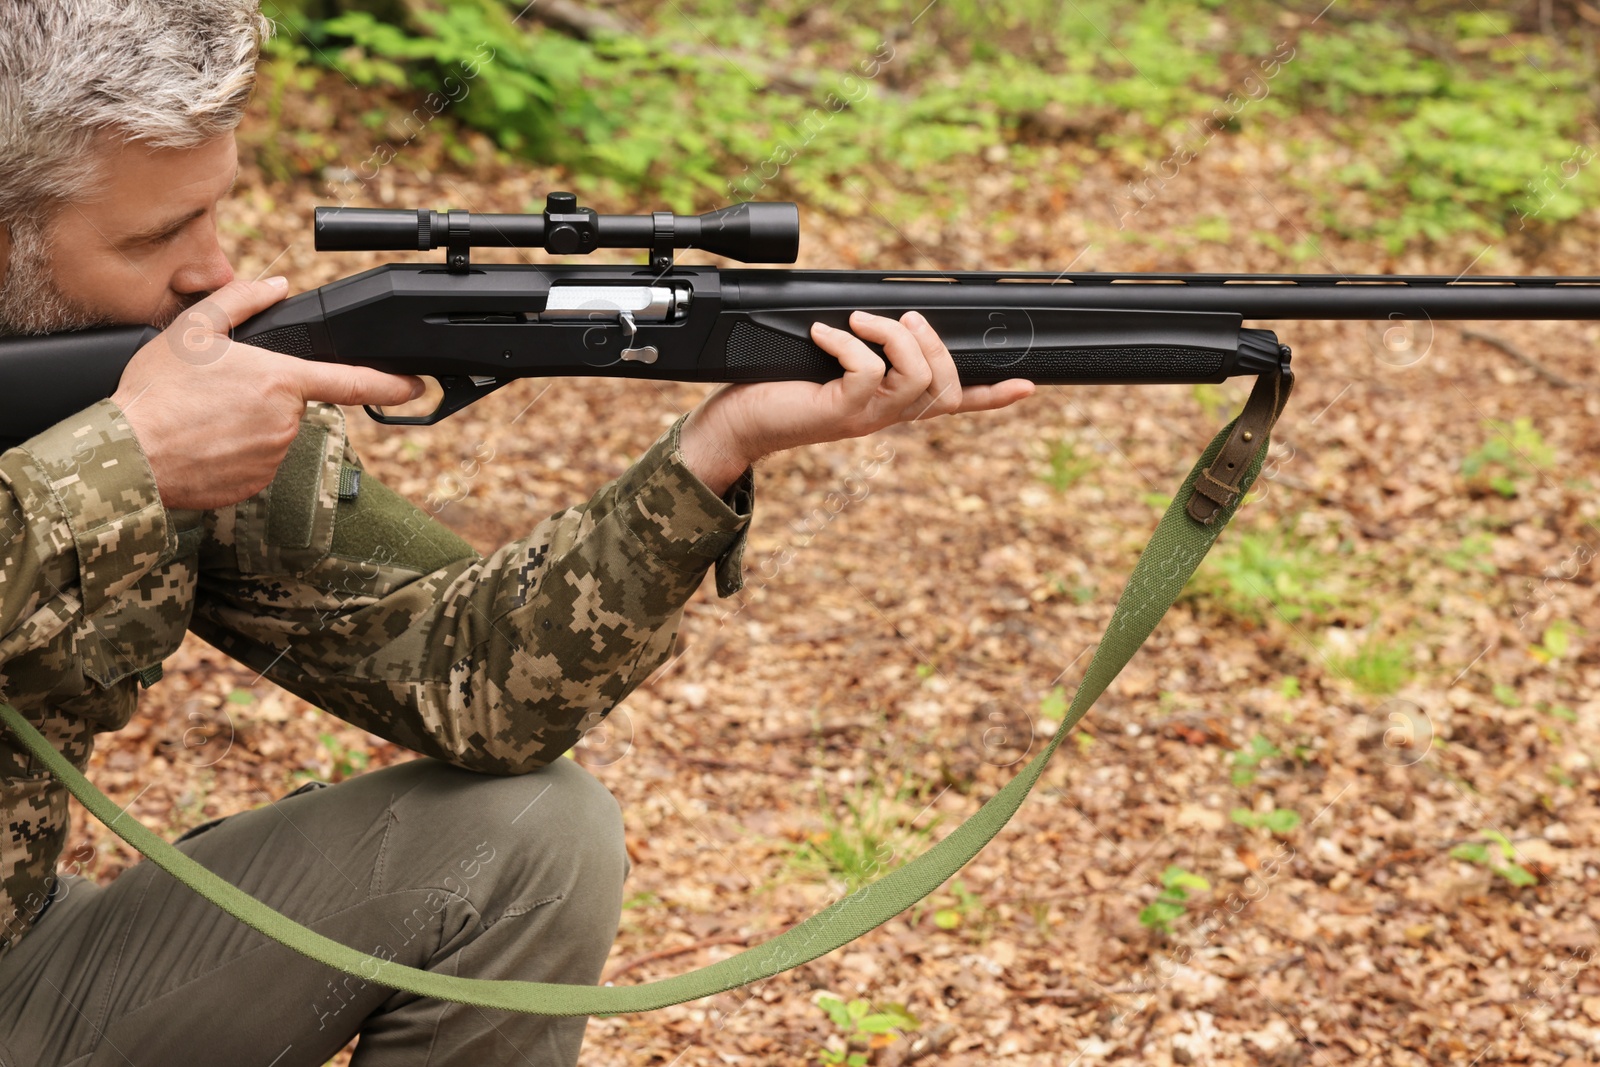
<point x="81" y="517"/>
<point x="81" y="523"/>
<point x="363" y="604"/>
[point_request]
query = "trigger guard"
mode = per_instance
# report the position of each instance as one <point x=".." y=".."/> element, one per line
<point x="459" y="391"/>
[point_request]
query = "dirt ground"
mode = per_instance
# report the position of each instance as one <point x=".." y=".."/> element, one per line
<point x="898" y="653"/>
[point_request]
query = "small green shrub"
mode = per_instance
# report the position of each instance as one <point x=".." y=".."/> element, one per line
<point x="862" y="1029"/>
<point x="1470" y="555"/>
<point x="1496" y="854"/>
<point x="1279" y="820"/>
<point x="701" y="108"/>
<point x="1247" y="761"/>
<point x="1258" y="576"/>
<point x="1379" y="667"/>
<point x="958" y="909"/>
<point x="1515" y="452"/>
<point x="862" y="845"/>
<point x="1168" y="907"/>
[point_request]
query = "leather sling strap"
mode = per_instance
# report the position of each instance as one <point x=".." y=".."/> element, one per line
<point x="1227" y="468"/>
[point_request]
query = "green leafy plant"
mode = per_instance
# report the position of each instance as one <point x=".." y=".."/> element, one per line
<point x="1471" y="555"/>
<point x="1213" y="400"/>
<point x="1487" y="141"/>
<point x="1279" y="820"/>
<point x="1485" y="146"/>
<point x="860" y="846"/>
<point x="1554" y="643"/>
<point x="1257" y="576"/>
<point x="1053" y="708"/>
<point x="1247" y="761"/>
<point x="1168" y="907"/>
<point x="1564" y="713"/>
<point x="862" y="1029"/>
<point x="958" y="909"/>
<point x="277" y="143"/>
<point x="1514" y="452"/>
<point x="1496" y="854"/>
<point x="1380" y="666"/>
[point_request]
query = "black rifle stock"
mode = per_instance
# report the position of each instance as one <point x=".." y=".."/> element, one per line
<point x="474" y="327"/>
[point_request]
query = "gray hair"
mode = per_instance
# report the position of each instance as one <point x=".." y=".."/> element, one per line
<point x="167" y="73"/>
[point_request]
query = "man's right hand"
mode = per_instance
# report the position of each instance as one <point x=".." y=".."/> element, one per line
<point x="215" y="417"/>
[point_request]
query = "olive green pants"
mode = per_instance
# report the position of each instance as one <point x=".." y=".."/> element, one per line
<point x="436" y="867"/>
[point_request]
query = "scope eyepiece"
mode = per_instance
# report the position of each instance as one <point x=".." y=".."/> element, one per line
<point x="751" y="232"/>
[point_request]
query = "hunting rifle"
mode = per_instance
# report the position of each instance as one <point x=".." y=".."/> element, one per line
<point x="473" y="328"/>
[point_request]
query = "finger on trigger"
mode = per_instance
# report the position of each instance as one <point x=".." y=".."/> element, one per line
<point x="333" y="383"/>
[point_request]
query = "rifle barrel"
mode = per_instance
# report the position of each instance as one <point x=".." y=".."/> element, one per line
<point x="1254" y="296"/>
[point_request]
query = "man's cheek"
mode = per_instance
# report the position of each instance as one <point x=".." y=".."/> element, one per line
<point x="126" y="289"/>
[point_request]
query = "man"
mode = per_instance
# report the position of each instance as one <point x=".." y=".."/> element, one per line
<point x="214" y="492"/>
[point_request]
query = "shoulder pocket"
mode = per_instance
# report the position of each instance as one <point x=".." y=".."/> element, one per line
<point x="293" y="497"/>
<point x="287" y="528"/>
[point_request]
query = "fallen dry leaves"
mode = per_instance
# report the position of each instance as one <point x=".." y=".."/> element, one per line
<point x="947" y="603"/>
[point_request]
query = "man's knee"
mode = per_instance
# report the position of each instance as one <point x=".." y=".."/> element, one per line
<point x="557" y="827"/>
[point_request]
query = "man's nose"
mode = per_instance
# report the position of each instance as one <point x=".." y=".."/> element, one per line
<point x="207" y="272"/>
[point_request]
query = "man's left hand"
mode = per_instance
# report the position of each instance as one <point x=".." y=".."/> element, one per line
<point x="738" y="424"/>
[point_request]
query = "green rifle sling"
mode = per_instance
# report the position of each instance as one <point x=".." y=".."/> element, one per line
<point x="1175" y="550"/>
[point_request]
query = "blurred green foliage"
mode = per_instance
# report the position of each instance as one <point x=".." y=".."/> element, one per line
<point x="1274" y="573"/>
<point x="1512" y="453"/>
<point x="1169" y="906"/>
<point x="1497" y="854"/>
<point x="1380" y="666"/>
<point x="1488" y="141"/>
<point x="1431" y="122"/>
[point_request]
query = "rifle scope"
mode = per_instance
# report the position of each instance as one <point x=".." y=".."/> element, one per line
<point x="748" y="232"/>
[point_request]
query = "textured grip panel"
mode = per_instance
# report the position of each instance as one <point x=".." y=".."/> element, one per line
<point x="753" y="348"/>
<point x="764" y="354"/>
<point x="290" y="340"/>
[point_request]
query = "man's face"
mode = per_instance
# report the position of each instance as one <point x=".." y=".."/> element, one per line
<point x="141" y="252"/>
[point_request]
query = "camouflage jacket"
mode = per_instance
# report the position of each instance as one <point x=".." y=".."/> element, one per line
<point x="336" y="588"/>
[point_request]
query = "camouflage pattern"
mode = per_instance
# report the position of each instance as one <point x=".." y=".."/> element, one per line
<point x="362" y="604"/>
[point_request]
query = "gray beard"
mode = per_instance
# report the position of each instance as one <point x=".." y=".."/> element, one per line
<point x="30" y="300"/>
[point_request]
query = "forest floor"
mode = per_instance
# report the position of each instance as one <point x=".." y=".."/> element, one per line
<point x="1391" y="657"/>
